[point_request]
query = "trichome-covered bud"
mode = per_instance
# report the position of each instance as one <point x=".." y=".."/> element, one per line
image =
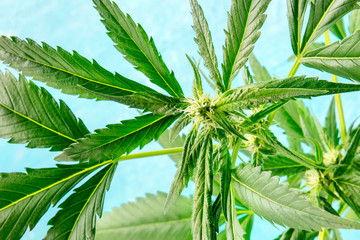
<point x="330" y="157"/>
<point x="312" y="178"/>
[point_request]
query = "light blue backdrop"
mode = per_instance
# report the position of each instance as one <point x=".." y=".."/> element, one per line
<point x="75" y="25"/>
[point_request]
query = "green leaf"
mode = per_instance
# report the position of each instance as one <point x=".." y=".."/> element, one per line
<point x="25" y="197"/>
<point x="132" y="41"/>
<point x="30" y="114"/>
<point x="354" y="21"/>
<point x="323" y="15"/>
<point x="276" y="203"/>
<point x="261" y="74"/>
<point x="338" y="29"/>
<point x="331" y="130"/>
<point x="244" y="21"/>
<point x="77" y="217"/>
<point x="225" y="176"/>
<point x="296" y="14"/>
<point x="232" y="226"/>
<point x="188" y="163"/>
<point x="197" y="88"/>
<point x="145" y="219"/>
<point x="342" y="59"/>
<point x="294" y="234"/>
<point x="281" y="165"/>
<point x="202" y="219"/>
<point x="257" y="94"/>
<point x="348" y="187"/>
<point x="247" y="78"/>
<point x="117" y="139"/>
<point x="350" y="154"/>
<point x="223" y="122"/>
<point x="179" y="125"/>
<point x="72" y="73"/>
<point x="205" y="44"/>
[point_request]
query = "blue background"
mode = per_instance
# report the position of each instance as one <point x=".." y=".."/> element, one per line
<point x="75" y="25"/>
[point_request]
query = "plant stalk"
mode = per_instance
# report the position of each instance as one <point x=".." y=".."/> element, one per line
<point x="167" y="151"/>
<point x="337" y="98"/>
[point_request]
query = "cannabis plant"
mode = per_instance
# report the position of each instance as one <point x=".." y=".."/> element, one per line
<point x="228" y="149"/>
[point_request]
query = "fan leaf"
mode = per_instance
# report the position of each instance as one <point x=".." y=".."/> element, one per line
<point x="244" y="21"/>
<point x="260" y="72"/>
<point x="117" y="139"/>
<point x="62" y="70"/>
<point x="296" y="14"/>
<point x="77" y="217"/>
<point x="131" y="40"/>
<point x="276" y="203"/>
<point x="342" y="59"/>
<point x="30" y="114"/>
<point x="354" y="21"/>
<point x="145" y="219"/>
<point x="348" y="187"/>
<point x="24" y="198"/>
<point x="323" y="15"/>
<point x="205" y="44"/>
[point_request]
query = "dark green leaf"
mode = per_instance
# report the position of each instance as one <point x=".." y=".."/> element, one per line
<point x="350" y="153"/>
<point x="62" y="70"/>
<point x="331" y="130"/>
<point x="77" y="217"/>
<point x="145" y="219"/>
<point x="281" y="165"/>
<point x="261" y="74"/>
<point x="338" y="29"/>
<point x="244" y="21"/>
<point x="225" y="124"/>
<point x="248" y="79"/>
<point x="132" y="41"/>
<point x="233" y="228"/>
<point x="342" y="59"/>
<point x="265" y="196"/>
<point x="202" y="219"/>
<point x="26" y="197"/>
<point x="296" y="14"/>
<point x="225" y="176"/>
<point x="323" y="15"/>
<point x="117" y="139"/>
<point x="205" y="44"/>
<point x="348" y="187"/>
<point x="30" y="114"/>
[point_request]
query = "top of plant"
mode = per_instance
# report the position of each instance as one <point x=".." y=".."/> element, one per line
<point x="222" y="123"/>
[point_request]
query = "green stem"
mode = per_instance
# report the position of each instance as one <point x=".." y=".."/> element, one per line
<point x="338" y="99"/>
<point x="150" y="154"/>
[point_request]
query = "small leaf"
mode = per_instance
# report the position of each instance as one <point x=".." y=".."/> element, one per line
<point x="132" y="41"/>
<point x="265" y="196"/>
<point x="205" y="44"/>
<point x="261" y="74"/>
<point x="331" y="130"/>
<point x="77" y="217"/>
<point x="342" y="59"/>
<point x="178" y="142"/>
<point x="62" y="70"/>
<point x="179" y="125"/>
<point x="117" y="139"/>
<point x="30" y="114"/>
<point x="244" y="21"/>
<point x="145" y="219"/>
<point x="26" y="197"/>
<point x="197" y="84"/>
<point x="225" y="177"/>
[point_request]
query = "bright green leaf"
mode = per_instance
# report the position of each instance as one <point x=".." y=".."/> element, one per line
<point x="132" y="41"/>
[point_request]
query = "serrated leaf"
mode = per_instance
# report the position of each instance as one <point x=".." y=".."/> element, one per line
<point x="205" y="44"/>
<point x="132" y="41"/>
<point x="25" y="197"/>
<point x="233" y="229"/>
<point x="247" y="78"/>
<point x="350" y="154"/>
<point x="323" y="15"/>
<point x="202" y="219"/>
<point x="145" y="219"/>
<point x="225" y="177"/>
<point x="281" y="165"/>
<point x="178" y="141"/>
<point x="179" y="125"/>
<point x="339" y="29"/>
<point x="296" y="14"/>
<point x="244" y="21"/>
<point x="188" y="162"/>
<point x="30" y="114"/>
<point x="117" y="139"/>
<point x="331" y="130"/>
<point x="276" y="203"/>
<point x="77" y="217"/>
<point x="223" y="122"/>
<point x="354" y="21"/>
<point x="342" y="59"/>
<point x="197" y="88"/>
<point x="260" y="72"/>
<point x="348" y="187"/>
<point x="62" y="70"/>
